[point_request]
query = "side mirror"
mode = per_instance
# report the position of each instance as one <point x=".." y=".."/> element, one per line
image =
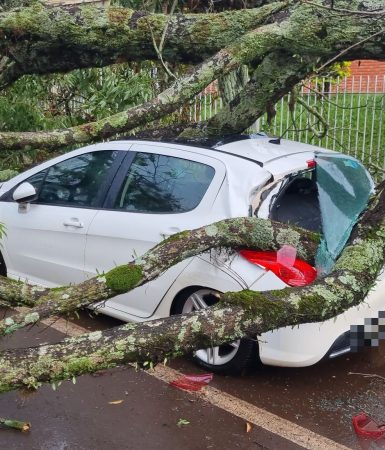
<point x="25" y="193"/>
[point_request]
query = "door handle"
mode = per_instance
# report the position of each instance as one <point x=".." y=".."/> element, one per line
<point x="170" y="231"/>
<point x="73" y="222"/>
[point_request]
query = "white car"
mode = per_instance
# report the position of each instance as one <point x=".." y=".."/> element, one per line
<point x="91" y="209"/>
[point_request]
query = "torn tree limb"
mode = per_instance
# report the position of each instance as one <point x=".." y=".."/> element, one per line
<point x="239" y="314"/>
<point x="84" y="35"/>
<point x="16" y="424"/>
<point x="277" y="74"/>
<point x="248" y="48"/>
<point x="230" y="233"/>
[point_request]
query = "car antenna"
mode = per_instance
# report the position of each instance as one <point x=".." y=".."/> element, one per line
<point x="277" y="141"/>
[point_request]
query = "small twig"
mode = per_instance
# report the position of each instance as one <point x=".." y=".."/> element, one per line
<point x="376" y="168"/>
<point x="327" y="100"/>
<point x="367" y="375"/>
<point x="16" y="424"/>
<point x="162" y="40"/>
<point x="159" y="48"/>
<point x="346" y="50"/>
<point x="321" y="133"/>
<point x="347" y="11"/>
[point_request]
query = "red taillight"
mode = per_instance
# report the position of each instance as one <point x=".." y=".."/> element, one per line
<point x="311" y="163"/>
<point x="299" y="274"/>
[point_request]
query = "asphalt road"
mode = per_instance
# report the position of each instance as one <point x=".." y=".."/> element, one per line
<point x="286" y="408"/>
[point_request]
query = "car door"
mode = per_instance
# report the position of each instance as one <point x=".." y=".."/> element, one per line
<point x="45" y="239"/>
<point x="159" y="191"/>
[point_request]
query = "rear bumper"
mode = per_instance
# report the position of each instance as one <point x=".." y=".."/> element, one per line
<point x="307" y="344"/>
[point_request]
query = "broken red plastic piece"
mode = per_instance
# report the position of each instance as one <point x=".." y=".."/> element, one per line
<point x="192" y="382"/>
<point x="311" y="163"/>
<point x="299" y="274"/>
<point x="366" y="427"/>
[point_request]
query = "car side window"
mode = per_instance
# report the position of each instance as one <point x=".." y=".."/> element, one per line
<point x="76" y="181"/>
<point x="163" y="184"/>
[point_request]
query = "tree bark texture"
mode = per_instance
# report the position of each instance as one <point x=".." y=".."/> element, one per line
<point x="230" y="233"/>
<point x="296" y="35"/>
<point x="294" y="31"/>
<point x="87" y="36"/>
<point x="45" y="39"/>
<point x="239" y="314"/>
<point x="168" y="101"/>
<point x="277" y="74"/>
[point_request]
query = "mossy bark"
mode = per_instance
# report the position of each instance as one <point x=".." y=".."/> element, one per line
<point x="231" y="233"/>
<point x="166" y="102"/>
<point x="302" y="31"/>
<point x="95" y="37"/>
<point x="87" y="36"/>
<point x="277" y="74"/>
<point x="244" y="313"/>
<point x="46" y="38"/>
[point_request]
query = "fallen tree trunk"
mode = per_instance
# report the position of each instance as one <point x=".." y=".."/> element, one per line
<point x="230" y="233"/>
<point x="245" y="313"/>
<point x="46" y="39"/>
<point x="166" y="102"/>
<point x="323" y="37"/>
<point x="87" y="36"/>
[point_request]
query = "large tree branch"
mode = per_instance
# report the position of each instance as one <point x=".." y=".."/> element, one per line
<point x="239" y="314"/>
<point x="229" y="233"/>
<point x="85" y="36"/>
<point x="250" y="47"/>
<point x="321" y="38"/>
<point x="278" y="73"/>
<point x="46" y="39"/>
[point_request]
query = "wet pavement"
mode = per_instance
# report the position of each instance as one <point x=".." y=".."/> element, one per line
<point x="150" y="414"/>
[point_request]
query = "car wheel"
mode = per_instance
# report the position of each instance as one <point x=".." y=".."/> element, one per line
<point x="227" y="358"/>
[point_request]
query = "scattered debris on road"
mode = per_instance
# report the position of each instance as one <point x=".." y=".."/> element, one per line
<point x="192" y="382"/>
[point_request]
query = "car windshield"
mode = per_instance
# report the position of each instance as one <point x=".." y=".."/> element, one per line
<point x="344" y="187"/>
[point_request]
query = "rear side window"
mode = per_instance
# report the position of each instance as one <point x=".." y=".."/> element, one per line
<point x="163" y="184"/>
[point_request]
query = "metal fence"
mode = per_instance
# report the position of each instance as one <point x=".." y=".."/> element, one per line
<point x="339" y="114"/>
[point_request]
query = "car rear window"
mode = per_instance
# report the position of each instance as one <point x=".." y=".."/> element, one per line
<point x="297" y="203"/>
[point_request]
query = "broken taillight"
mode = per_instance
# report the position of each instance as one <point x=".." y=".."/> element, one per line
<point x="299" y="273"/>
<point x="367" y="427"/>
<point x="311" y="163"/>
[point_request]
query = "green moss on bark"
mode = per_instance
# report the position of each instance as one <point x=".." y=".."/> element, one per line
<point x="124" y="278"/>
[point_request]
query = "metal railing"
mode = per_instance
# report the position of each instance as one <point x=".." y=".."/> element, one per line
<point x="344" y="114"/>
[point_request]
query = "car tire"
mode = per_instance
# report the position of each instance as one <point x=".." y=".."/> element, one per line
<point x="231" y="358"/>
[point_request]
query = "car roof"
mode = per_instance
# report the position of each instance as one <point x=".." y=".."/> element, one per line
<point x="257" y="147"/>
<point x="278" y="156"/>
<point x="264" y="150"/>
